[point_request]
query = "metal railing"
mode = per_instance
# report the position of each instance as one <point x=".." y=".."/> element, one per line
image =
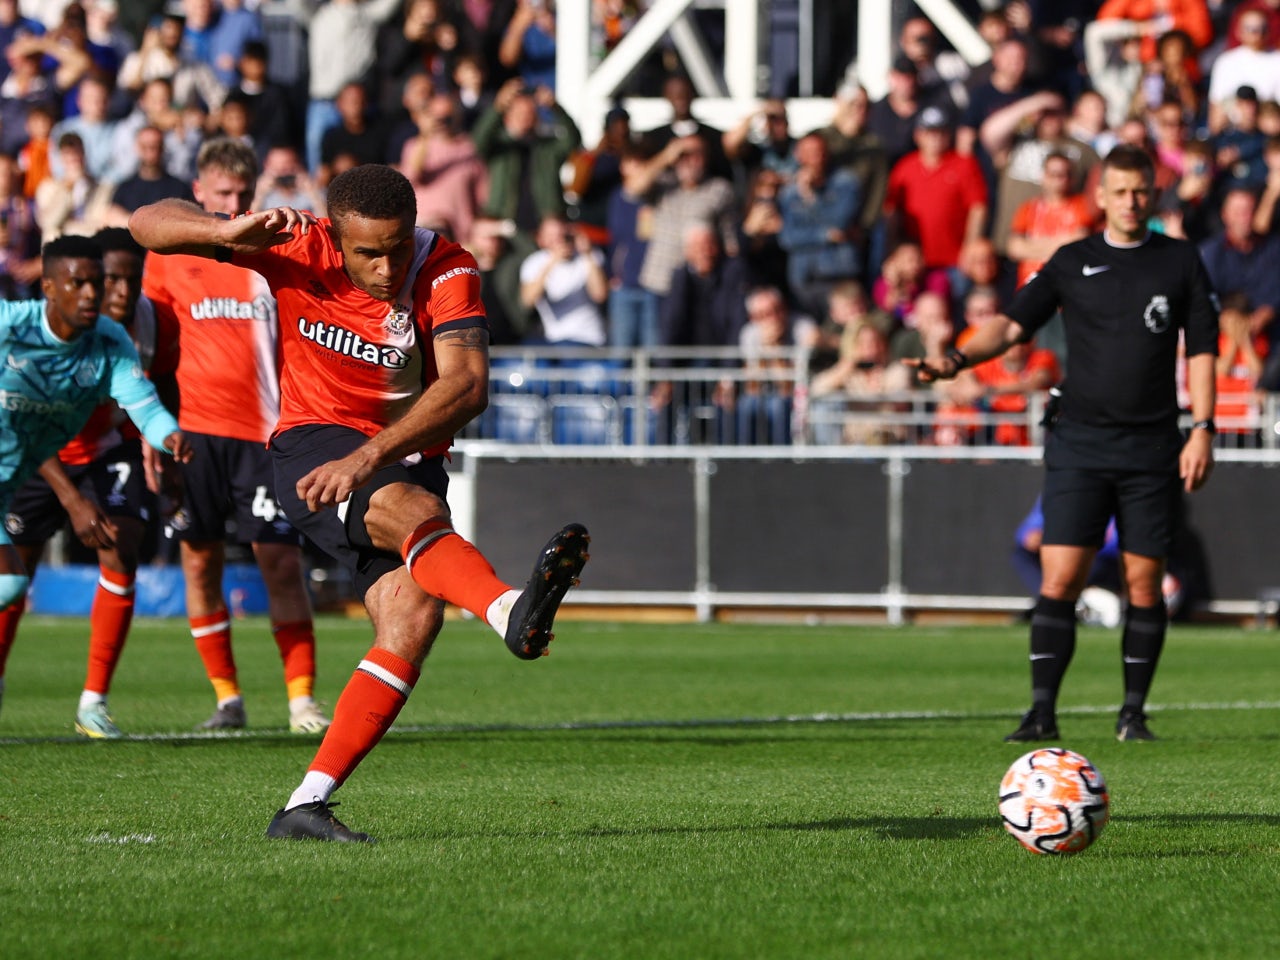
<point x="721" y="396"/>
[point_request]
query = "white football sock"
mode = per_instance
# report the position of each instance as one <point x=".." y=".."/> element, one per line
<point x="89" y="698"/>
<point x="499" y="612"/>
<point x="315" y="786"/>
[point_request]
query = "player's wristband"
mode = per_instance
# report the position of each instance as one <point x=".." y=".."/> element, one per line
<point x="1208" y="426"/>
<point x="958" y="358"/>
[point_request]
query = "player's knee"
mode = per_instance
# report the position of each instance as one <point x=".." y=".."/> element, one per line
<point x="13" y="587"/>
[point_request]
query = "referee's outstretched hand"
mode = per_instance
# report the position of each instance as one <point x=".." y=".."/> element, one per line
<point x="930" y="369"/>
<point x="1196" y="461"/>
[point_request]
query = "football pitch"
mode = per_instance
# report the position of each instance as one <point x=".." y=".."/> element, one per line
<point x="648" y="791"/>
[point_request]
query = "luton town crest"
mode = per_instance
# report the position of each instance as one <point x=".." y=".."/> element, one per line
<point x="398" y="319"/>
<point x="1156" y="316"/>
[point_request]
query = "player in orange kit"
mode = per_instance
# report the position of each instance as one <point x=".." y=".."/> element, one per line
<point x="385" y="348"/>
<point x="229" y="391"/>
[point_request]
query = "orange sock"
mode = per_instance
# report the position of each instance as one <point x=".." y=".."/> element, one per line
<point x="446" y="566"/>
<point x="212" y="635"/>
<point x="297" y="643"/>
<point x="9" y="618"/>
<point x="365" y="711"/>
<point x="109" y="620"/>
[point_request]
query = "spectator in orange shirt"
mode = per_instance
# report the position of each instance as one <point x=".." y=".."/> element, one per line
<point x="1042" y="225"/>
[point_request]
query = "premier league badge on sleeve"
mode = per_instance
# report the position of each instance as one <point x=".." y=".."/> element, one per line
<point x="398" y="319"/>
<point x="1156" y="315"/>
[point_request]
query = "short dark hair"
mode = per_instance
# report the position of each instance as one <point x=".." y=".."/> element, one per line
<point x="1126" y="156"/>
<point x="118" y="240"/>
<point x="372" y="190"/>
<point x="69" y="246"/>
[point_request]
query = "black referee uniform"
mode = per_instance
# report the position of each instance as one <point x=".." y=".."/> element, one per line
<point x="1114" y="446"/>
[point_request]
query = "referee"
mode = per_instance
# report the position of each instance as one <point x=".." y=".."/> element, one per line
<point x="1113" y="446"/>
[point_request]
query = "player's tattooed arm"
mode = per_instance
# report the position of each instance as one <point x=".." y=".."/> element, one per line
<point x="470" y="338"/>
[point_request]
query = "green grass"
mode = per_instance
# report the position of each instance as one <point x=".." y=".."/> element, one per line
<point x="646" y="792"/>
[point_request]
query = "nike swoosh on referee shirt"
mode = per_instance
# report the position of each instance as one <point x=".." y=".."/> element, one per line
<point x="1089" y="271"/>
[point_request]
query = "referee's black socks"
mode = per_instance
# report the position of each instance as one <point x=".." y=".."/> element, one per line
<point x="1140" y="646"/>
<point x="1053" y="642"/>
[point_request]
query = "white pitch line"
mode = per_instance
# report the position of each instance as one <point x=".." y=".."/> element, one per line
<point x="266" y="733"/>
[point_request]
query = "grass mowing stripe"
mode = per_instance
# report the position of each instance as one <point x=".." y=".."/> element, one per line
<point x="570" y="725"/>
<point x="580" y="808"/>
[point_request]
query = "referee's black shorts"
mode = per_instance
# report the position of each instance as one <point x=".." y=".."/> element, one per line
<point x="340" y="532"/>
<point x="1079" y="503"/>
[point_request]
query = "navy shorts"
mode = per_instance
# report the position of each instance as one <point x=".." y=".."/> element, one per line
<point x="229" y="494"/>
<point x="115" y="481"/>
<point x="340" y="532"/>
<point x="1078" y="505"/>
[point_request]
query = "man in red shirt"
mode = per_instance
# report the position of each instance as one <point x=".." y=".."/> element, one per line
<point x="937" y="197"/>
<point x="385" y="357"/>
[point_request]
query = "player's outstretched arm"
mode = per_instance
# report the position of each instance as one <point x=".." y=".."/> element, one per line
<point x="178" y="226"/>
<point x="458" y="396"/>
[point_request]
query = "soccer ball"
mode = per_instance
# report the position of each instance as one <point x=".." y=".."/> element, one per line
<point x="1054" y="801"/>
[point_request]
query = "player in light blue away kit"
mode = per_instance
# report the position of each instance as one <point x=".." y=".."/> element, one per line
<point x="61" y="359"/>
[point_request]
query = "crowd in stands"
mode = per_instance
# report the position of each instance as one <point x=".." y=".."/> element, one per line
<point x="899" y="225"/>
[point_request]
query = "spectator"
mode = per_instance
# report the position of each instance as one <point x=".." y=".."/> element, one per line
<point x="761" y="140"/>
<point x="19" y="236"/>
<point x="499" y="251"/>
<point x="937" y="197"/>
<point x="892" y="119"/>
<point x="1254" y="63"/>
<point x="760" y="230"/>
<point x="1239" y="146"/>
<point x="94" y="128"/>
<point x="1087" y="123"/>
<point x="358" y="133"/>
<point x="706" y="307"/>
<point x="341" y="50"/>
<point x="677" y="90"/>
<point x="401" y="126"/>
<point x="1264" y="219"/>
<point x="152" y="108"/>
<point x="232" y="27"/>
<point x="529" y="46"/>
<point x="564" y="280"/>
<point x="853" y="146"/>
<point x="268" y="102"/>
<point x="682" y="194"/>
<point x="1241" y="261"/>
<point x="161" y="55"/>
<point x="1242" y="356"/>
<point x="1043" y="224"/>
<point x="764" y="401"/>
<point x="449" y="180"/>
<point x="25" y="87"/>
<point x="12" y="26"/>
<point x="34" y="155"/>
<point x="633" y="310"/>
<point x="818" y="207"/>
<point x="425" y="42"/>
<point x="847" y="402"/>
<point x="597" y="173"/>
<point x="1020" y="160"/>
<point x="980" y="266"/>
<point x="1190" y="210"/>
<point x="151" y="183"/>
<point x="103" y="29"/>
<point x="1154" y="18"/>
<point x="903" y="279"/>
<point x="285" y="183"/>
<point x="1269" y="9"/>
<point x="847" y="308"/>
<point x="524" y="158"/>
<point x="1007" y="85"/>
<point x="1113" y="57"/>
<point x="73" y="201"/>
<point x="182" y="144"/>
<point x="928" y="328"/>
<point x="940" y="77"/>
<point x="469" y="81"/>
<point x="1172" y="77"/>
<point x="1003" y="385"/>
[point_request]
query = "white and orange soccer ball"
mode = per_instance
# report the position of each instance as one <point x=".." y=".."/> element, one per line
<point x="1054" y="801"/>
